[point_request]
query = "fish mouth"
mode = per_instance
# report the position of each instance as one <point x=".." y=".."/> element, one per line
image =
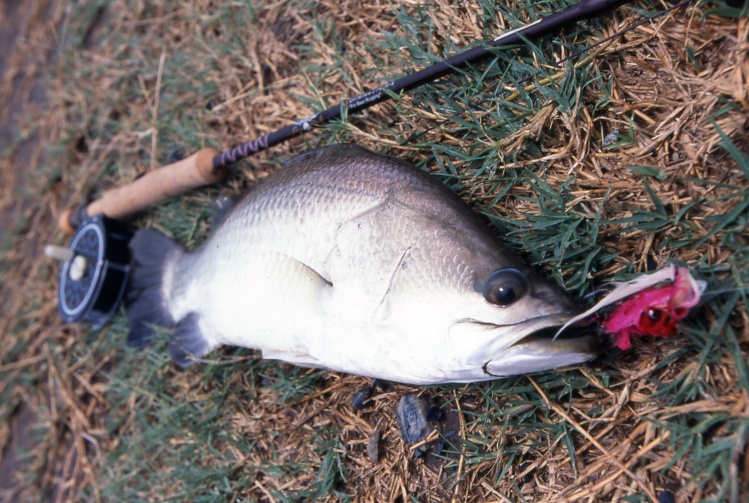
<point x="533" y="346"/>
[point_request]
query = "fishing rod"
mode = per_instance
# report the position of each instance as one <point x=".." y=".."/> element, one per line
<point x="208" y="165"/>
<point x="585" y="9"/>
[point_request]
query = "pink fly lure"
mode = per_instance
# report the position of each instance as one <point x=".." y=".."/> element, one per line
<point x="649" y="309"/>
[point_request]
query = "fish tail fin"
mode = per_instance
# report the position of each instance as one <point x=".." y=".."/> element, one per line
<point x="146" y="303"/>
<point x="145" y="300"/>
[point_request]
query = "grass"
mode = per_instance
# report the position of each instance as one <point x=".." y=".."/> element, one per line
<point x="518" y="136"/>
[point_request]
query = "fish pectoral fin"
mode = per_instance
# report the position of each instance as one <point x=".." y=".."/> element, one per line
<point x="296" y="358"/>
<point x="303" y="270"/>
<point x="292" y="280"/>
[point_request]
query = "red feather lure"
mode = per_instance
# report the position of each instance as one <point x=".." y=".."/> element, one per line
<point x="655" y="311"/>
<point x="648" y="309"/>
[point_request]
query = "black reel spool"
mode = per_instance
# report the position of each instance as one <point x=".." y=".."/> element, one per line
<point x="93" y="281"/>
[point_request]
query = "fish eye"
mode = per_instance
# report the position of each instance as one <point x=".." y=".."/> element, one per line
<point x="505" y="287"/>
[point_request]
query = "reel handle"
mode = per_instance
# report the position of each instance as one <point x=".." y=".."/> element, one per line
<point x="148" y="190"/>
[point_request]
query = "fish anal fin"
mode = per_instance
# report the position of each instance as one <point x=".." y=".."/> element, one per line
<point x="188" y="341"/>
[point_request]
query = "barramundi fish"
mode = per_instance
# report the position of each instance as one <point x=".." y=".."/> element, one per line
<point x="355" y="262"/>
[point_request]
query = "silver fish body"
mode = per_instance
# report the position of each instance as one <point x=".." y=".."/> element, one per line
<point x="360" y="263"/>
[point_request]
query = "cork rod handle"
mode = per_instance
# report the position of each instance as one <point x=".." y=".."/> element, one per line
<point x="150" y="189"/>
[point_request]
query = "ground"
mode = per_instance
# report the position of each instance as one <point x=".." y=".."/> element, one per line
<point x="99" y="93"/>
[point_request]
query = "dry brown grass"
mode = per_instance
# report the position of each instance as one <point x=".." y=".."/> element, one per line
<point x="106" y="128"/>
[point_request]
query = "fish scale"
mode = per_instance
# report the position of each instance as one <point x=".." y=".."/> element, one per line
<point x="356" y="262"/>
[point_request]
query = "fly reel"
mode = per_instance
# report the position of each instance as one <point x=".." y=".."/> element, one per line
<point x="95" y="270"/>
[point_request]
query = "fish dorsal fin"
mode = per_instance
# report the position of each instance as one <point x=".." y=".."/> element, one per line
<point x="220" y="208"/>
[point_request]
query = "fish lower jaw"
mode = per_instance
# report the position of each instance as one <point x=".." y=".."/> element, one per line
<point x="531" y="346"/>
<point x="541" y="351"/>
<point x="514" y="364"/>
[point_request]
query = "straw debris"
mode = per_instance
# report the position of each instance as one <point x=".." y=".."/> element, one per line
<point x="100" y="93"/>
